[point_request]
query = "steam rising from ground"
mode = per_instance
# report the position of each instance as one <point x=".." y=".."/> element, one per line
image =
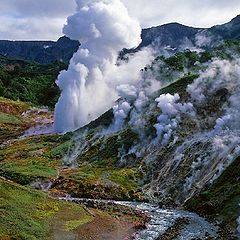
<point x="95" y="80"/>
<point x="170" y="117"/>
<point x="222" y="143"/>
<point x="89" y="85"/>
<point x="120" y="112"/>
<point x="209" y="148"/>
<point x="218" y="75"/>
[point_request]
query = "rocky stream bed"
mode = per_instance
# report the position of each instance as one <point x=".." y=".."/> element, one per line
<point x="160" y="223"/>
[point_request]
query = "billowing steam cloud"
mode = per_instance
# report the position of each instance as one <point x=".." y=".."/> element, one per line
<point x="89" y="85"/>
<point x="120" y="112"/>
<point x="171" y="116"/>
<point x="219" y="74"/>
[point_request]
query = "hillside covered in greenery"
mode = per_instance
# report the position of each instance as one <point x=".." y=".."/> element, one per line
<point x="29" y="81"/>
<point x="130" y="163"/>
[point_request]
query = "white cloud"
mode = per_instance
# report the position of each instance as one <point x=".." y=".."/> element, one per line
<point x="44" y="19"/>
<point x="30" y="28"/>
<point x="34" y="20"/>
<point x="196" y="13"/>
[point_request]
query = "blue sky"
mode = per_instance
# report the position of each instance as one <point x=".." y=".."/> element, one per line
<point x="44" y="19"/>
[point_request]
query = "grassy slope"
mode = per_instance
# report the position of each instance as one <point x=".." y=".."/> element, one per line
<point x="222" y="199"/>
<point x="26" y="160"/>
<point x="11" y="121"/>
<point x="12" y="107"/>
<point x="97" y="172"/>
<point x="30" y="214"/>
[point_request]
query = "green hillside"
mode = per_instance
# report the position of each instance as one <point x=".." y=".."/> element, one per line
<point x="29" y="81"/>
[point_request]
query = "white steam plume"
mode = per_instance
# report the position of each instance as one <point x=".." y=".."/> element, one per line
<point x="205" y="39"/>
<point x="210" y="152"/>
<point x="88" y="86"/>
<point x="120" y="112"/>
<point x="170" y="117"/>
<point x="219" y="74"/>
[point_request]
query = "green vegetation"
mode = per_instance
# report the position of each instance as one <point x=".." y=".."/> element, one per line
<point x="104" y="152"/>
<point x="186" y="60"/>
<point x="179" y="86"/>
<point x="88" y="181"/>
<point x="126" y="177"/>
<point x="222" y="199"/>
<point x="9" y="119"/>
<point x="73" y="224"/>
<point x="104" y="120"/>
<point x="11" y="122"/>
<point x="24" y="213"/>
<point x="190" y="62"/>
<point x="61" y="149"/>
<point x="176" y="62"/>
<point x="29" y="159"/>
<point x="98" y="168"/>
<point x="26" y="174"/>
<point x="13" y="107"/>
<point x="30" y="214"/>
<point x="29" y="81"/>
<point x="41" y="158"/>
<point x="227" y="50"/>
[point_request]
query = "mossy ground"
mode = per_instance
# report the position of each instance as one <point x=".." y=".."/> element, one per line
<point x="12" y="124"/>
<point x="13" y="107"/>
<point x="26" y="160"/>
<point x="179" y="86"/>
<point x="90" y="181"/>
<point x="30" y="214"/>
<point x="96" y="175"/>
<point x="9" y="119"/>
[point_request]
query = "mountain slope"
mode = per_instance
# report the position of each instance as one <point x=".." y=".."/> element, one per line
<point x="177" y="146"/>
<point x="229" y="30"/>
<point x="138" y="161"/>
<point x="172" y="34"/>
<point x="182" y="147"/>
<point x="30" y="214"/>
<point x="44" y="52"/>
<point x="173" y="37"/>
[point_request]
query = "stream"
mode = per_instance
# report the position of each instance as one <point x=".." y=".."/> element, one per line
<point x="163" y="224"/>
<point x="181" y="225"/>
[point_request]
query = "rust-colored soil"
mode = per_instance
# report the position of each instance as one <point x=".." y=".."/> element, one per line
<point x="102" y="227"/>
<point x="105" y="227"/>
